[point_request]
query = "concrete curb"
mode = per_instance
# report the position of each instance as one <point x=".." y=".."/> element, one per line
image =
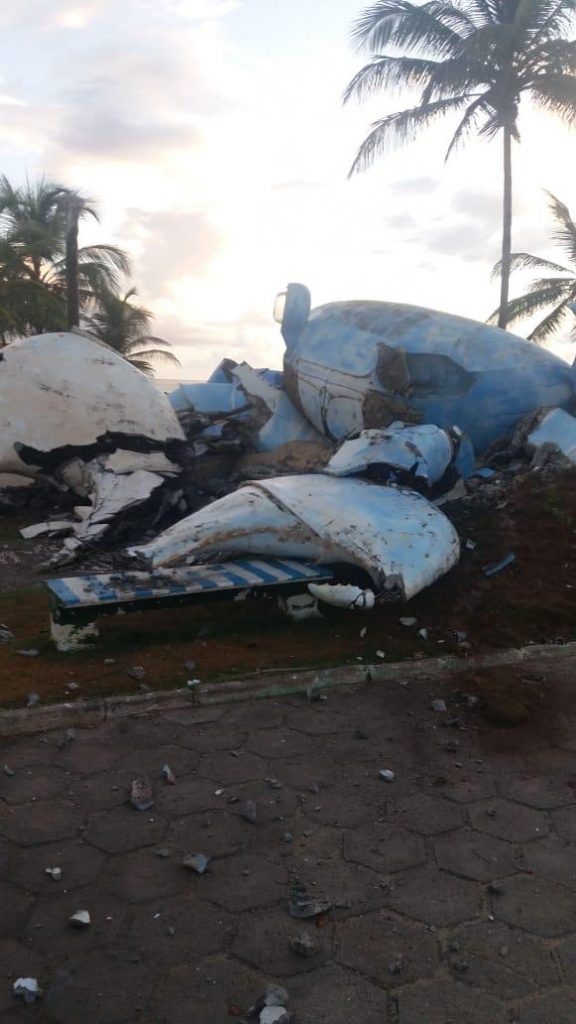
<point x="86" y="714"/>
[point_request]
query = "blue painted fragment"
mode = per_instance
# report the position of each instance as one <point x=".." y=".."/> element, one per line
<point x="357" y="365"/>
<point x="496" y="567"/>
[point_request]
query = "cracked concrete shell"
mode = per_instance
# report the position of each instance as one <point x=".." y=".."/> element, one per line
<point x="65" y="395"/>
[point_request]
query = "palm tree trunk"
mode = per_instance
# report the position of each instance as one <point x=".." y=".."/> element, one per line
<point x="506" y="230"/>
<point x="72" y="296"/>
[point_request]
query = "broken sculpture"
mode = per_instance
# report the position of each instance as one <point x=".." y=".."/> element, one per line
<point x="380" y="407"/>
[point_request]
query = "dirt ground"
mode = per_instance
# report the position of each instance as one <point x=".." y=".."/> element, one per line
<point x="532" y="600"/>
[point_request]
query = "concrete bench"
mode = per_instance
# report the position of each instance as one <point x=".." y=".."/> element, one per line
<point x="77" y="601"/>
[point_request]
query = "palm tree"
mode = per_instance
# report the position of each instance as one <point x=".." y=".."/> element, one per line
<point x="125" y="327"/>
<point x="558" y="291"/>
<point x="474" y="58"/>
<point x="35" y="227"/>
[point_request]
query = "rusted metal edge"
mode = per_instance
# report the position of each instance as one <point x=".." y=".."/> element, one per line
<point x="91" y="713"/>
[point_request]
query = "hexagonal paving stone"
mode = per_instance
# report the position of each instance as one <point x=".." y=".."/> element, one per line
<point x="79" y="862"/>
<point x="314" y="721"/>
<point x="334" y="995"/>
<point x="98" y="986"/>
<point x="42" y="782"/>
<point x="553" y="858"/>
<point x="472" y="786"/>
<point x="142" y="876"/>
<point x="100" y="792"/>
<point x="507" y="820"/>
<point x="391" y="952"/>
<point x="434" y="897"/>
<point x="437" y="1002"/>
<point x="225" y="769"/>
<point x="133" y="762"/>
<point x="182" y="930"/>
<point x="14" y="909"/>
<point x="124" y="829"/>
<point x="566" y="951"/>
<point x="263" y="940"/>
<point x="188" y="796"/>
<point x="86" y="758"/>
<point x="347" y="806"/>
<point x="541" y="791"/>
<point x="476" y="856"/>
<point x="302" y="772"/>
<point x="29" y="824"/>
<point x="557" y="1007"/>
<point x="537" y="906"/>
<point x="259" y="715"/>
<point x="350" y="889"/>
<point x="274" y="743"/>
<point x="214" y="989"/>
<point x="147" y="731"/>
<point x="216" y="833"/>
<point x="565" y="822"/>
<point x="206" y="739"/>
<point x="502" y="961"/>
<point x="50" y="931"/>
<point x="384" y="847"/>
<point x="228" y="885"/>
<point x="426" y="814"/>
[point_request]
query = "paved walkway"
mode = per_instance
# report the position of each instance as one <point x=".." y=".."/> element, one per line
<point x="453" y="887"/>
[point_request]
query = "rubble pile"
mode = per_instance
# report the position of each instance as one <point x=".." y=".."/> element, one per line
<point x="383" y="417"/>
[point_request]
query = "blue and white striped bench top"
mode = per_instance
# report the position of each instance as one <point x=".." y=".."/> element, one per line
<point x="116" y="588"/>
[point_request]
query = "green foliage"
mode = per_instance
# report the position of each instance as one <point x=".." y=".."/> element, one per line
<point x="32" y="259"/>
<point x="475" y="56"/>
<point x="125" y="327"/>
<point x="555" y="294"/>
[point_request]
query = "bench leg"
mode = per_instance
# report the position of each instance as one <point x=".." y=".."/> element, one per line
<point x="73" y="631"/>
<point x="300" y="606"/>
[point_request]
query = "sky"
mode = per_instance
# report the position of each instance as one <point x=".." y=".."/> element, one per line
<point x="213" y="135"/>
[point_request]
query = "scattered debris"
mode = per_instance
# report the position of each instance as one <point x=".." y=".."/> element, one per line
<point x="68" y="737"/>
<point x="274" y="783"/>
<point x="193" y="684"/>
<point x="32" y="700"/>
<point x="136" y="672"/>
<point x="303" y="945"/>
<point x="423" y="634"/>
<point x="27" y="989"/>
<point x="408" y="621"/>
<point x="302" y="905"/>
<point x="163" y="852"/>
<point x="72" y="686"/>
<point x="7" y="770"/>
<point x="439" y="705"/>
<point x="81" y="919"/>
<point x="248" y="811"/>
<point x="55" y="873"/>
<point x="451" y="746"/>
<point x="5" y="634"/>
<point x="380" y="654"/>
<point x="387" y="775"/>
<point x="168" y="774"/>
<point x="197" y="862"/>
<point x="396" y="966"/>
<point x="190" y="666"/>
<point x="300" y="607"/>
<point x="31" y="652"/>
<point x="496" y="567"/>
<point x="141" y="796"/>
<point x="363" y="633"/>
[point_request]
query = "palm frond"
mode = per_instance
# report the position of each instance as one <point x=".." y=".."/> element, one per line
<point x="556" y="94"/>
<point x="565" y="231"/>
<point x="533" y="301"/>
<point x="467" y="125"/>
<point x="551" y="323"/>
<point x="399" y="128"/>
<point x="525" y="261"/>
<point x="389" y="73"/>
<point x="404" y="25"/>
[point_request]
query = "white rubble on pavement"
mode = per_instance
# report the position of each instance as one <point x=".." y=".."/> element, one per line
<point x="398" y="538"/>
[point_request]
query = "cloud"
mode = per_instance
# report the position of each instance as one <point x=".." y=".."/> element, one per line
<point x="469" y="240"/>
<point x="483" y="206"/>
<point x="175" y="244"/>
<point x="420" y="186"/>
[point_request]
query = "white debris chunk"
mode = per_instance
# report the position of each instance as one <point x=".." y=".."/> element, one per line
<point x="387" y="775"/>
<point x="27" y="989"/>
<point x="342" y="595"/>
<point x="55" y="873"/>
<point x="80" y="919"/>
